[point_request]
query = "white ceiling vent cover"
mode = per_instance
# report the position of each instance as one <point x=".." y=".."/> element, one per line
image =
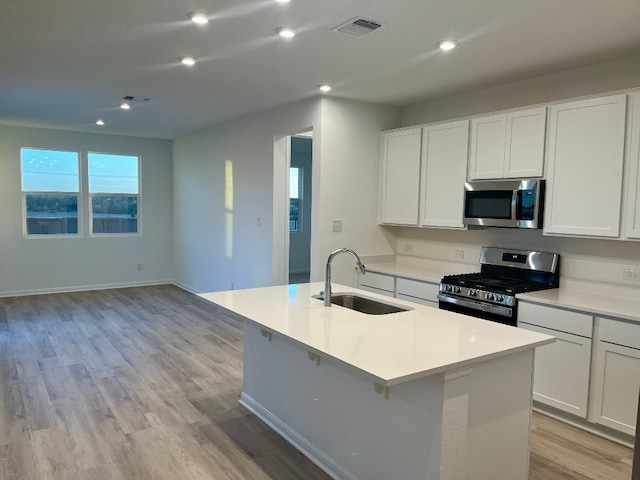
<point x="358" y="27"/>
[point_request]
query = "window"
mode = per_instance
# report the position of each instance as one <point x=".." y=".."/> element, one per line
<point x="114" y="193"/>
<point x="50" y="189"/>
<point x="295" y="196"/>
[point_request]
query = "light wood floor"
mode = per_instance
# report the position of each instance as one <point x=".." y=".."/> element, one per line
<point x="143" y="383"/>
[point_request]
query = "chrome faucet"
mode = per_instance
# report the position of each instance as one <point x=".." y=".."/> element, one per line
<point x="327" y="280"/>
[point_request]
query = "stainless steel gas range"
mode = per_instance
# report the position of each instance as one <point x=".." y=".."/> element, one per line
<point x="491" y="294"/>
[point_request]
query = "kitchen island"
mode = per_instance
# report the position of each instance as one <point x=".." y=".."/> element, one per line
<point x="421" y="394"/>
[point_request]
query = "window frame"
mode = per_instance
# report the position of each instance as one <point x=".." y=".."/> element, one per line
<point x="78" y="195"/>
<point x="91" y="194"/>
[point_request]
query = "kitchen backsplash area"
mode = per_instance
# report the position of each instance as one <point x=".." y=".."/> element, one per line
<point x="609" y="261"/>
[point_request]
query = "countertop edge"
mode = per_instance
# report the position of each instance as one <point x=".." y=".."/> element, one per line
<point x="394" y="380"/>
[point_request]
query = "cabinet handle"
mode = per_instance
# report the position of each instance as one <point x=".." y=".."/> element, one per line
<point x="381" y="390"/>
<point x="313" y="357"/>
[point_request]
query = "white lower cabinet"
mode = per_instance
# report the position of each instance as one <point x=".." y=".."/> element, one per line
<point x="561" y="374"/>
<point x="416" y="291"/>
<point x="617" y="375"/>
<point x="377" y="283"/>
<point x="562" y="369"/>
<point x="425" y="293"/>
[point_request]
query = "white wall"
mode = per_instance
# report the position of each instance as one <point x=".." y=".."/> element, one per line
<point x="591" y="80"/>
<point x="581" y="258"/>
<point x="586" y="259"/>
<point x="31" y="265"/>
<point x="349" y="185"/>
<point x="216" y="247"/>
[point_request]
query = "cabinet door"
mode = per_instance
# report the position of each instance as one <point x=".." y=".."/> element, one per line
<point x="487" y="154"/>
<point x="445" y="151"/>
<point x="561" y="371"/>
<point x="424" y="293"/>
<point x="584" y="167"/>
<point x="400" y="177"/>
<point x="632" y="223"/>
<point x="525" y="143"/>
<point x="617" y="383"/>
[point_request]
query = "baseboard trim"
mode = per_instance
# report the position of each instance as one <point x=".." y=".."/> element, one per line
<point x="185" y="287"/>
<point x="317" y="456"/>
<point x="595" y="429"/>
<point x="84" y="288"/>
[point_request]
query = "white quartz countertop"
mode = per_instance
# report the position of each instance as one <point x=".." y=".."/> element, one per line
<point x="393" y="348"/>
<point x="587" y="301"/>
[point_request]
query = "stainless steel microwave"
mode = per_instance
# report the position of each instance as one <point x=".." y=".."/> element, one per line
<point x="504" y="203"/>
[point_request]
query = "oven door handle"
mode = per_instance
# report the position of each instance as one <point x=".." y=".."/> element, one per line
<point x="484" y="307"/>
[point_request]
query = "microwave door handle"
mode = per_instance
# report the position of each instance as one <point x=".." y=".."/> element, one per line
<point x="514" y="204"/>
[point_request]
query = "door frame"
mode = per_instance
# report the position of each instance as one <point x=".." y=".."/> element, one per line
<point x="281" y="166"/>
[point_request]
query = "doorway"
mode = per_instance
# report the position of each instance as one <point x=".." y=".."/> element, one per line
<point x="299" y="207"/>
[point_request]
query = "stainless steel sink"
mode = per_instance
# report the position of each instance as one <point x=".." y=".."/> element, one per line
<point x="363" y="304"/>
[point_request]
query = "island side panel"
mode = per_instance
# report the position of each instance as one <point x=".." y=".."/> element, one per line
<point x="333" y="415"/>
<point x="499" y="418"/>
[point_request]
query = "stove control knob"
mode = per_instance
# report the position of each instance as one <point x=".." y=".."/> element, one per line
<point x="499" y="298"/>
<point x="457" y="290"/>
<point x="489" y="296"/>
<point x="448" y="288"/>
<point x="472" y="292"/>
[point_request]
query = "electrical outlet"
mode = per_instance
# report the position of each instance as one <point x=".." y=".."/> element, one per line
<point x="258" y="221"/>
<point x="139" y="267"/>
<point x="408" y="248"/>
<point x="337" y="226"/>
<point x="232" y="285"/>
<point x="458" y="253"/>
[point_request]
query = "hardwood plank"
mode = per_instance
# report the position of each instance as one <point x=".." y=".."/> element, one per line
<point x="13" y="422"/>
<point x="37" y="404"/>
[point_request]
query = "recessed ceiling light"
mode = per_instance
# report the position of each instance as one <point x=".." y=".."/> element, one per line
<point x="100" y="122"/>
<point x="283" y="1"/>
<point x="324" y="88"/>
<point x="199" y="18"/>
<point x="286" y="32"/>
<point x="125" y="106"/>
<point x="189" y="61"/>
<point x="447" y="45"/>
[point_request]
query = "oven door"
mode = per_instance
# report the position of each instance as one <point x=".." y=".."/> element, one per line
<point x="486" y="311"/>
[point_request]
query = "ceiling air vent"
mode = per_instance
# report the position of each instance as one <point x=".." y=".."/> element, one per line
<point x="135" y="99"/>
<point x="358" y="27"/>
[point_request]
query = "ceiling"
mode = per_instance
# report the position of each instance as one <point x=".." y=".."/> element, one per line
<point x="66" y="63"/>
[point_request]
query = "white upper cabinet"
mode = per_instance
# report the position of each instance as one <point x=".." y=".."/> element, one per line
<point x="525" y="143"/>
<point x="585" y="167"/>
<point x="486" y="159"/>
<point x="400" y="177"/>
<point x="632" y="224"/>
<point x="509" y="145"/>
<point x="443" y="173"/>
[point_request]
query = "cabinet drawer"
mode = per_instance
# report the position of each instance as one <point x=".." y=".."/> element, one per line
<point x="556" y="319"/>
<point x="620" y="333"/>
<point x="416" y="289"/>
<point x="377" y="281"/>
